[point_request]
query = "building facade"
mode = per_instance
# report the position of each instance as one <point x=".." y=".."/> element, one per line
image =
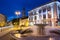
<point x="3" y="20"/>
<point x="46" y="14"/>
<point x="23" y="22"/>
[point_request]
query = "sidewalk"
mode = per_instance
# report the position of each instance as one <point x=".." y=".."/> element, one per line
<point x="5" y="30"/>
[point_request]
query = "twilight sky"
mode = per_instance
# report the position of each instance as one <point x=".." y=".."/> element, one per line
<point x="8" y="7"/>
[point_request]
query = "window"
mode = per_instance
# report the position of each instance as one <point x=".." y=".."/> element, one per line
<point x="35" y="17"/>
<point x="44" y="10"/>
<point x="39" y="11"/>
<point x="31" y="19"/>
<point x="49" y="8"/>
<point x="44" y="16"/>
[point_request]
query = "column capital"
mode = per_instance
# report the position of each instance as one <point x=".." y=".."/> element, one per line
<point x="51" y="5"/>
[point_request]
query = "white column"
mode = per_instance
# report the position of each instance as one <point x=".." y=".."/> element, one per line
<point x="52" y="12"/>
<point x="58" y="14"/>
<point x="42" y="15"/>
<point x="46" y="15"/>
<point x="37" y="14"/>
<point x="52" y="15"/>
<point x="33" y="18"/>
<point x="38" y="18"/>
<point x="58" y="11"/>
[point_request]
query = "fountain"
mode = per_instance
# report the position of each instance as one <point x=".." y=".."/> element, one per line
<point x="41" y="29"/>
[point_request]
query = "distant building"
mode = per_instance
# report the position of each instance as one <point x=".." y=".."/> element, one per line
<point x="46" y="14"/>
<point x="23" y="21"/>
<point x="2" y="20"/>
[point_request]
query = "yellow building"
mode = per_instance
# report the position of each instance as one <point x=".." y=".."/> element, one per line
<point x="2" y="20"/>
<point x="20" y="23"/>
<point x="24" y="22"/>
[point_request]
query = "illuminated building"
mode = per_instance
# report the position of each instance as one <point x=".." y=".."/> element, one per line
<point x="2" y="20"/>
<point x="24" y="22"/>
<point x="46" y="14"/>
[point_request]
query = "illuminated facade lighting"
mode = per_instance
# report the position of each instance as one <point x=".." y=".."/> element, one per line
<point x="46" y="14"/>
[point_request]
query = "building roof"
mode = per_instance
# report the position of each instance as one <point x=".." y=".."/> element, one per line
<point x="19" y="18"/>
<point x="24" y="17"/>
<point x="48" y="3"/>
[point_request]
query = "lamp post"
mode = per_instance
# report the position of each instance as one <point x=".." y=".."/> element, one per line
<point x="17" y="14"/>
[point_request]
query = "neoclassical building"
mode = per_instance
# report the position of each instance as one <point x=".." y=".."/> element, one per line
<point x="46" y="14"/>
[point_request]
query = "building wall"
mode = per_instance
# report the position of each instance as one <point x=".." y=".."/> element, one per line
<point x="46" y="14"/>
<point x="2" y="20"/>
<point x="24" y="22"/>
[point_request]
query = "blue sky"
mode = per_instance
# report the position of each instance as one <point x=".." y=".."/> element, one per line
<point x="8" y="7"/>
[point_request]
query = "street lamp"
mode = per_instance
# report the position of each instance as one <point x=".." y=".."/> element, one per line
<point x="17" y="14"/>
